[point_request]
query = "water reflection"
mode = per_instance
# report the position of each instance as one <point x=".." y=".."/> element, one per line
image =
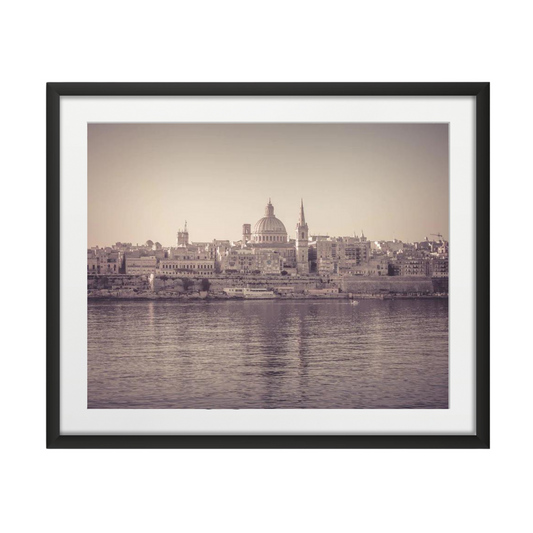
<point x="268" y="354"/>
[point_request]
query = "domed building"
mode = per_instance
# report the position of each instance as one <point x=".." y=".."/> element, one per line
<point x="269" y="236"/>
<point x="269" y="229"/>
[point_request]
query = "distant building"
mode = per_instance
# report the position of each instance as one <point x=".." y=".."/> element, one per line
<point x="251" y="261"/>
<point x="342" y="255"/>
<point x="182" y="238"/>
<point x="190" y="258"/>
<point x="268" y="261"/>
<point x="137" y="266"/>
<point x="176" y="266"/>
<point x="267" y="249"/>
<point x="388" y="246"/>
<point x="104" y="261"/>
<point x="237" y="260"/>
<point x="92" y="262"/>
<point x="407" y="266"/>
<point x="439" y="267"/>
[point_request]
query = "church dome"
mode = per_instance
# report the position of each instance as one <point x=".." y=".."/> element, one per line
<point x="269" y="225"/>
<point x="269" y="228"/>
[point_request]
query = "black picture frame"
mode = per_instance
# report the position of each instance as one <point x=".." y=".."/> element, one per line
<point x="481" y="92"/>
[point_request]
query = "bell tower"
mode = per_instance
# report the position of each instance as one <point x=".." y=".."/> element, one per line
<point x="302" y="243"/>
<point x="183" y="237"/>
<point x="246" y="233"/>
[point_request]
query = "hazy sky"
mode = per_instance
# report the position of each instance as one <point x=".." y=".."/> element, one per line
<point x="144" y="180"/>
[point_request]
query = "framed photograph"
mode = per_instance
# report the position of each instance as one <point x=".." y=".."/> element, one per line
<point x="268" y="265"/>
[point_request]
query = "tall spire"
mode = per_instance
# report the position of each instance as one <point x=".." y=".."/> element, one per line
<point x="302" y="243"/>
<point x="301" y="220"/>
<point x="185" y="227"/>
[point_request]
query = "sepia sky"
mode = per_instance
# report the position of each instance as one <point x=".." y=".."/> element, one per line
<point x="144" y="180"/>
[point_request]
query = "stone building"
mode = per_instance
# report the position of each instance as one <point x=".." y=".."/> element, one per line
<point x="342" y="255"/>
<point x="104" y="261"/>
<point x="141" y="265"/>
<point x="268" y="261"/>
<point x="177" y="266"/>
<point x="439" y="267"/>
<point x="251" y="261"/>
<point x="409" y="266"/>
<point x="92" y="262"/>
<point x="236" y="260"/>
<point x="188" y="258"/>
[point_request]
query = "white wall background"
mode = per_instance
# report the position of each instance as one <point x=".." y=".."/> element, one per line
<point x="261" y="490"/>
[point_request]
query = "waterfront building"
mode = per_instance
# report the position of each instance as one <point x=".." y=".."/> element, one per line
<point x="191" y="252"/>
<point x="323" y="292"/>
<point x="439" y="267"/>
<point x="376" y="266"/>
<point x="342" y="255"/>
<point x="111" y="263"/>
<point x="267" y="250"/>
<point x="236" y="260"/>
<point x="181" y="266"/>
<point x="409" y="266"/>
<point x="92" y="262"/>
<point x="326" y="266"/>
<point x="141" y="265"/>
<point x="190" y="258"/>
<point x="268" y="261"/>
<point x="104" y="261"/>
<point x="251" y="261"/>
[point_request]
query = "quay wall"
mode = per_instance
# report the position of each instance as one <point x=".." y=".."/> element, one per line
<point x="194" y="283"/>
<point x="126" y="286"/>
<point x="387" y="284"/>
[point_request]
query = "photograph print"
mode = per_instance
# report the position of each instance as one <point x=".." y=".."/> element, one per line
<point x="268" y="266"/>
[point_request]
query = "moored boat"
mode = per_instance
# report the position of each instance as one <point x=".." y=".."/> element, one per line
<point x="245" y="292"/>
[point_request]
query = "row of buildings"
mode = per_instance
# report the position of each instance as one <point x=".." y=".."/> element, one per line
<point x="267" y="249"/>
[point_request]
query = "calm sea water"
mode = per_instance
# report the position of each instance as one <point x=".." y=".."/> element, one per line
<point x="290" y="354"/>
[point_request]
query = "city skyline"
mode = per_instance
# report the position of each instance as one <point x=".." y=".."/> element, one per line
<point x="145" y="180"/>
<point x="186" y="227"/>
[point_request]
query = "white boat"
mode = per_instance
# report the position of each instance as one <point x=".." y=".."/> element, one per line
<point x="245" y="292"/>
<point x="234" y="291"/>
<point x="354" y="302"/>
<point x="258" y="293"/>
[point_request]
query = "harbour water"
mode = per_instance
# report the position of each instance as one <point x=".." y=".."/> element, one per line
<point x="291" y="354"/>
